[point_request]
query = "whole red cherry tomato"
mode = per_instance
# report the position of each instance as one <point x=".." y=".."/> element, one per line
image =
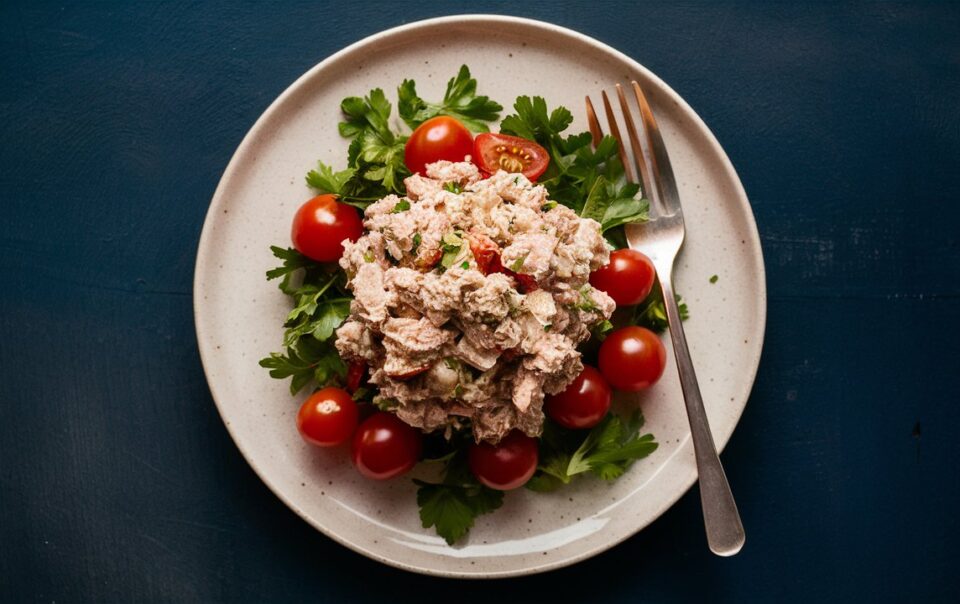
<point x="506" y="465"/>
<point x="384" y="446"/>
<point x="321" y="225"/>
<point x="632" y="358"/>
<point x="583" y="404"/>
<point x="627" y="278"/>
<point x="327" y="418"/>
<point x="438" y="138"/>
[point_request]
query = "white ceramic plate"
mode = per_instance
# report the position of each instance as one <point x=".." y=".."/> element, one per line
<point x="239" y="314"/>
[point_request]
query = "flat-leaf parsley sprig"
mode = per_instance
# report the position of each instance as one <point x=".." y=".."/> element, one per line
<point x="375" y="158"/>
<point x="321" y="305"/>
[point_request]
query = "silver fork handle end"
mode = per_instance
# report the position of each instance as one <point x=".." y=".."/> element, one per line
<point x="725" y="534"/>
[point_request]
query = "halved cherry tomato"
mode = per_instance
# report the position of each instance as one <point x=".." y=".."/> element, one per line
<point x="632" y="358"/>
<point x="328" y="418"/>
<point x="627" y="278"/>
<point x="492" y="152"/>
<point x="384" y="446"/>
<point x="583" y="404"/>
<point x="506" y="465"/>
<point x="440" y="137"/>
<point x="321" y="225"/>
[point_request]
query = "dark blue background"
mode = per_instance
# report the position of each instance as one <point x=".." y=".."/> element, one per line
<point x="118" y="481"/>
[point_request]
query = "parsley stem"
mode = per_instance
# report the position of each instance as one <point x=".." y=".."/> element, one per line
<point x="327" y="285"/>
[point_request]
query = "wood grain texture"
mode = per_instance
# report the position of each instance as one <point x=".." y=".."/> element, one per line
<point x="118" y="482"/>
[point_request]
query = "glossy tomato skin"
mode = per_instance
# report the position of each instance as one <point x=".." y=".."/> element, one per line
<point x="627" y="278"/>
<point x="632" y="358"/>
<point x="328" y="417"/>
<point x="583" y="404"/>
<point x="356" y="370"/>
<point x="507" y="465"/>
<point x="492" y="152"/>
<point x="385" y="447"/>
<point x="321" y="225"/>
<point x="438" y="138"/>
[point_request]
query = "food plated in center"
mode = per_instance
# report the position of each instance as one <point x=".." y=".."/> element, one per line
<point x="465" y="299"/>
<point x="454" y="337"/>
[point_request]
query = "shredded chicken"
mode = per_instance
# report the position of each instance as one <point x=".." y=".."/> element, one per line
<point x="453" y="338"/>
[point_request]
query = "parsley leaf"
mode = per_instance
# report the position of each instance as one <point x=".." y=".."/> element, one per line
<point x="292" y="262"/>
<point x="601" y="329"/>
<point x="325" y="180"/>
<point x="609" y="449"/>
<point x="347" y="185"/>
<point x="452" y="508"/>
<point x="459" y="101"/>
<point x="376" y="152"/>
<point x="451" y="245"/>
<point x="532" y="121"/>
<point x="402" y="206"/>
<point x="587" y="180"/>
<point x="310" y="360"/>
<point x="651" y="313"/>
<point x="321" y="305"/>
<point x="452" y="505"/>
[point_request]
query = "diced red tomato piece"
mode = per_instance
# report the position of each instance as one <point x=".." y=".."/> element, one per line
<point x="355" y="373"/>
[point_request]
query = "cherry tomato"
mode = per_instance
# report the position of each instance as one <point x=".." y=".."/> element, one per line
<point x="508" y="464"/>
<point x="321" y="225"/>
<point x="328" y="418"/>
<point x="627" y="278"/>
<point x="525" y="283"/>
<point x="492" y="152"/>
<point x="486" y="252"/>
<point x="384" y="446"/>
<point x="440" y="137"/>
<point x="355" y="372"/>
<point x="632" y="358"/>
<point x="583" y="404"/>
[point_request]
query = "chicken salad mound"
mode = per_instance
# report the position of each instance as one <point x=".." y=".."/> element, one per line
<point x="471" y="296"/>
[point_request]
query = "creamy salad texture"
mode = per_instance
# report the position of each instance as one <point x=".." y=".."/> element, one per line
<point x="447" y="336"/>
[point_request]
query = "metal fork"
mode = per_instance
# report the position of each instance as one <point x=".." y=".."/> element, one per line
<point x="660" y="239"/>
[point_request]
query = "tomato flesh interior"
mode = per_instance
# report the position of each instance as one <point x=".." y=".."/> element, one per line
<point x="494" y="152"/>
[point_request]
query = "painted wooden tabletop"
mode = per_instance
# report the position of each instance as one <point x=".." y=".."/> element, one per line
<point x="118" y="481"/>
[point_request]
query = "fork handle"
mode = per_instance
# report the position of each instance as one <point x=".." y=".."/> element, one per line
<point x="725" y="534"/>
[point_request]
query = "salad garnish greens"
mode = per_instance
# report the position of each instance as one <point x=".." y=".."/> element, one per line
<point x="587" y="179"/>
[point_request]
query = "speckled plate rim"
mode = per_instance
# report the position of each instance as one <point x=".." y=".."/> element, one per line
<point x="219" y="201"/>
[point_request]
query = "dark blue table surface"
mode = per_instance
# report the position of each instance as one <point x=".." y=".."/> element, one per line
<point x="118" y="481"/>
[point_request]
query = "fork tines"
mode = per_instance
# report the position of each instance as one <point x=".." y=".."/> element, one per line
<point x="637" y="170"/>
